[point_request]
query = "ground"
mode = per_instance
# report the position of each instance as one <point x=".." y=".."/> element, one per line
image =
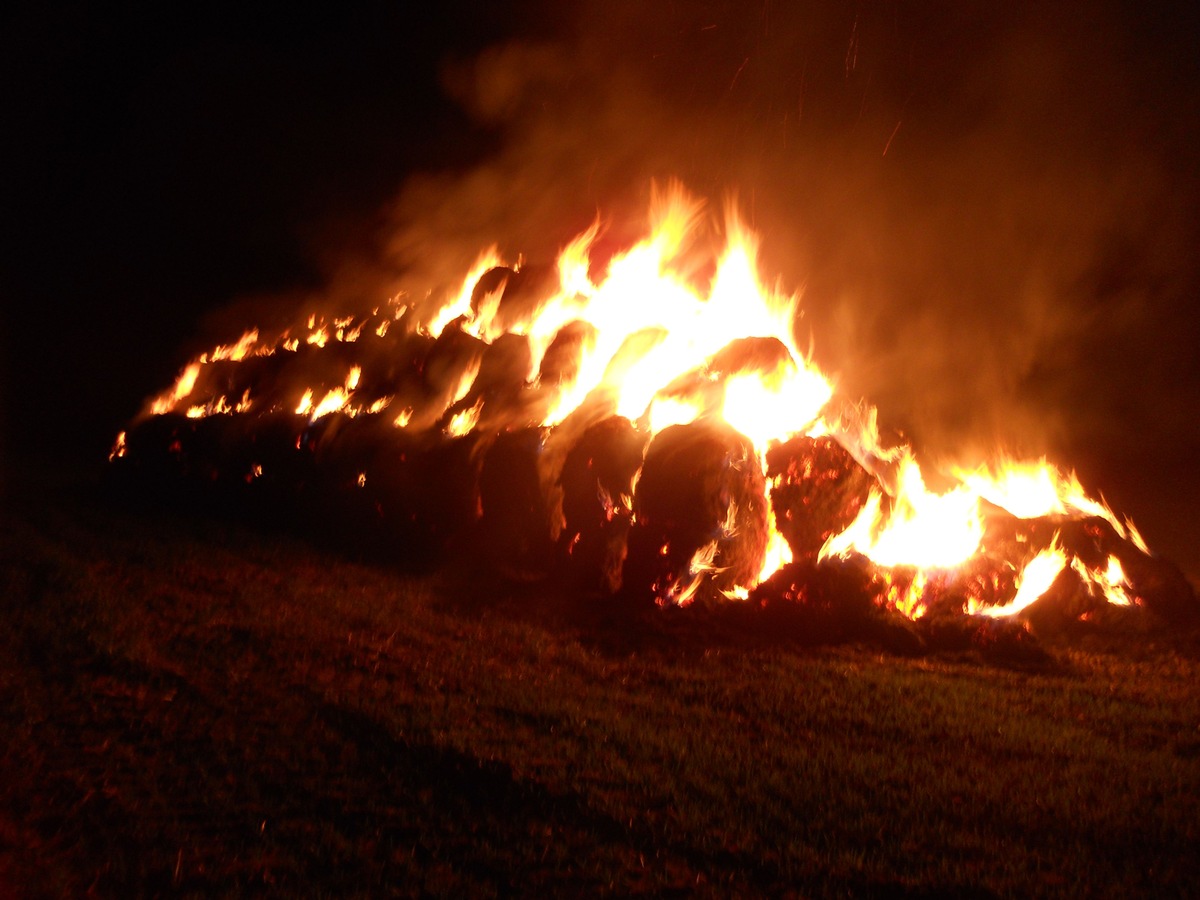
<point x="196" y="707"/>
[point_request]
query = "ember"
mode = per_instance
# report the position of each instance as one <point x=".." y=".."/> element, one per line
<point x="641" y="434"/>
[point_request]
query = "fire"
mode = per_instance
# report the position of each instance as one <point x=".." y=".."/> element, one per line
<point x="1028" y="490"/>
<point x="921" y="528"/>
<point x="661" y="346"/>
<point x="1035" y="580"/>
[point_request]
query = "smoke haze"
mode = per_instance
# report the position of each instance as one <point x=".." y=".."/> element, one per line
<point x="988" y="213"/>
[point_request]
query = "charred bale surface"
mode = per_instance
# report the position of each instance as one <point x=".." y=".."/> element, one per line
<point x="515" y="525"/>
<point x="751" y="354"/>
<point x="1003" y="642"/>
<point x="817" y="490"/>
<point x="701" y="489"/>
<point x="513" y="296"/>
<point x="982" y="579"/>
<point x="597" y="490"/>
<point x="560" y="362"/>
<point x="1155" y="583"/>
<point x="392" y="367"/>
<point x="454" y="358"/>
<point x="824" y="602"/>
<point x="423" y="493"/>
<point x="499" y="389"/>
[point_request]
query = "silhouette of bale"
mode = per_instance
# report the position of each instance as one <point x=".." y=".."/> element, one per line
<point x="514" y="527"/>
<point x="157" y="452"/>
<point x="831" y="601"/>
<point x="1004" y="641"/>
<point x="560" y="362"/>
<point x="817" y="490"/>
<point x="700" y="515"/>
<point x="597" y="490"/>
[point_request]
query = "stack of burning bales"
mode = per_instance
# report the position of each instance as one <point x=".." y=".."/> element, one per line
<point x="432" y="449"/>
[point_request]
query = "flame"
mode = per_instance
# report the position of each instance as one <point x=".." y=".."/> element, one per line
<point x="778" y="554"/>
<point x="920" y="528"/>
<point x="773" y="409"/>
<point x="461" y="304"/>
<point x="182" y="389"/>
<point x="464" y="422"/>
<point x="237" y="351"/>
<point x="1032" y="489"/>
<point x="1035" y="580"/>
<point x="1111" y="583"/>
<point x="905" y="591"/>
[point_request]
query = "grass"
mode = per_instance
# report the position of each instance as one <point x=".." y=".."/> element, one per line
<point x="196" y="708"/>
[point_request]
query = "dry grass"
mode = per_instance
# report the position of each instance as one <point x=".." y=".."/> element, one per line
<point x="191" y="707"/>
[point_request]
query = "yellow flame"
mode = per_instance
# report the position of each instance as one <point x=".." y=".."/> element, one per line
<point x="182" y="389"/>
<point x="464" y="422"/>
<point x="333" y="401"/>
<point x="778" y="555"/>
<point x="906" y="595"/>
<point x="1110" y="582"/>
<point x="1032" y="489"/>
<point x="1034" y="581"/>
<point x="236" y="351"/>
<point x="668" y="411"/>
<point x="774" y="409"/>
<point x="921" y="528"/>
<point x="461" y="304"/>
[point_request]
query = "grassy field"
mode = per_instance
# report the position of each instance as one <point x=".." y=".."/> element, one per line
<point x="194" y="708"/>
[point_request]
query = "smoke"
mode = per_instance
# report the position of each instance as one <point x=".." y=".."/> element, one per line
<point x="970" y="202"/>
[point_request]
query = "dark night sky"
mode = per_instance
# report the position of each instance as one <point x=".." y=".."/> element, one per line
<point x="1019" y="264"/>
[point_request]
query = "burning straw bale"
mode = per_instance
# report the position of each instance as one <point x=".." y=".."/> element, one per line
<point x="700" y="514"/>
<point x="158" y="451"/>
<point x="560" y="362"/>
<point x="453" y="359"/>
<point x="597" y="501"/>
<point x="817" y="489"/>
<point x="517" y="295"/>
<point x="1154" y="583"/>
<point x="392" y="366"/>
<point x="500" y="390"/>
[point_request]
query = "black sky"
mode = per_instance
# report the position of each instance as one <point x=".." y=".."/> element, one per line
<point x="993" y="212"/>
